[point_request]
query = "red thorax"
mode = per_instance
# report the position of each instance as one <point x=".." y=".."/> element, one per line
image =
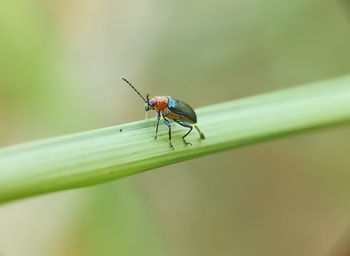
<point x="159" y="102"/>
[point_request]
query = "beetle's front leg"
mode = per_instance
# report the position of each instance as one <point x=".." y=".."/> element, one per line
<point x="167" y="122"/>
<point x="158" y="118"/>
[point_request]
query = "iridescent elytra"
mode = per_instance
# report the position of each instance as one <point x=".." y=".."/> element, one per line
<point x="170" y="108"/>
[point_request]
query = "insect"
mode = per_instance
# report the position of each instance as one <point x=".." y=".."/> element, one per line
<point x="167" y="107"/>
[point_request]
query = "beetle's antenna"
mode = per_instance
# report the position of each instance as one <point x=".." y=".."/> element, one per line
<point x="122" y="78"/>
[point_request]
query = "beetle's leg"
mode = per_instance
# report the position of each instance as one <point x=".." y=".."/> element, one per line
<point x="158" y="118"/>
<point x="200" y="133"/>
<point x="188" y="125"/>
<point x="166" y="121"/>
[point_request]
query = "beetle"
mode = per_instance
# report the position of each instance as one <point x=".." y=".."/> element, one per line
<point x="168" y="107"/>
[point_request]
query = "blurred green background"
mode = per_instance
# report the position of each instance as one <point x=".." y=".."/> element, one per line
<point x="60" y="63"/>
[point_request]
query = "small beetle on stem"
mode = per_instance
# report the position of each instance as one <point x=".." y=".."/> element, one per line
<point x="167" y="107"/>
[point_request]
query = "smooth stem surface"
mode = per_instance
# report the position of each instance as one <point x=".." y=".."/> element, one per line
<point x="111" y="153"/>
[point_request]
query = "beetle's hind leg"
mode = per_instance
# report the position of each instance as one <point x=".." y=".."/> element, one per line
<point x="200" y="133"/>
<point x="188" y="125"/>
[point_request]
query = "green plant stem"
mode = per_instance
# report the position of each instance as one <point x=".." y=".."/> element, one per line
<point x="102" y="155"/>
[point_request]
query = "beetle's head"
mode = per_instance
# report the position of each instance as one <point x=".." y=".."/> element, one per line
<point x="149" y="103"/>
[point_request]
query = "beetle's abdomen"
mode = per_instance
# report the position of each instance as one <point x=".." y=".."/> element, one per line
<point x="160" y="102"/>
<point x="181" y="111"/>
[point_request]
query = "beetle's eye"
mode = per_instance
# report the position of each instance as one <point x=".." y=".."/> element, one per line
<point x="146" y="107"/>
